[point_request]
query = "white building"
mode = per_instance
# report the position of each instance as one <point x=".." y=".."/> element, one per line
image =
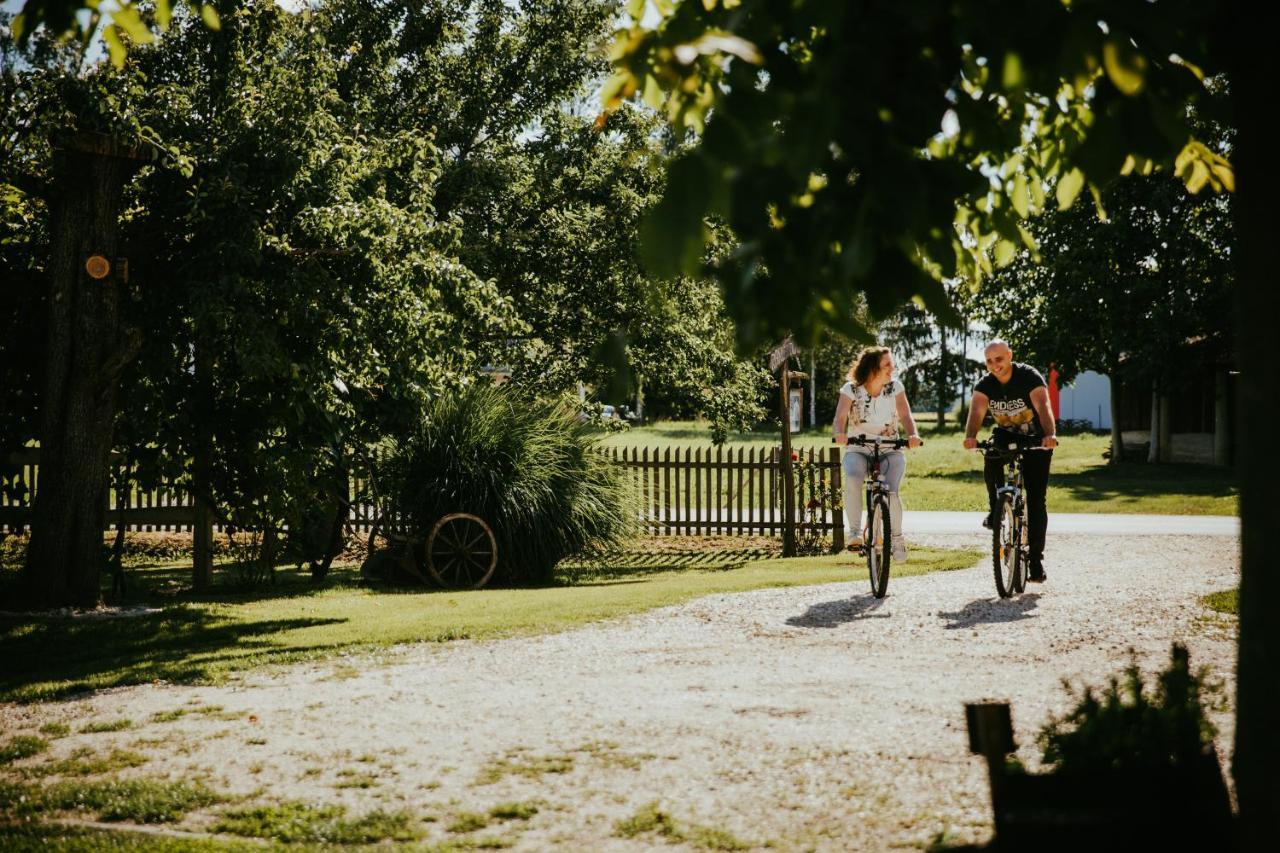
<point x="1087" y="398"/>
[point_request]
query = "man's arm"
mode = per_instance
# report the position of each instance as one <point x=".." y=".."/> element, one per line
<point x="977" y="411"/>
<point x="1040" y="402"/>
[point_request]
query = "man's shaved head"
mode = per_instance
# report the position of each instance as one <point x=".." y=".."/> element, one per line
<point x="997" y="345"/>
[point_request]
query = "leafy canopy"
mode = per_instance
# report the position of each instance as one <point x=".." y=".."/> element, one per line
<point x="881" y="148"/>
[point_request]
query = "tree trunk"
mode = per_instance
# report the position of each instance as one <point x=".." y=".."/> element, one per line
<point x="942" y="376"/>
<point x="1221" y="418"/>
<point x="201" y="485"/>
<point x="964" y="375"/>
<point x="83" y="357"/>
<point x="1153" y="443"/>
<point x="1117" y="435"/>
<point x="1257" y="748"/>
<point x="1166" y="428"/>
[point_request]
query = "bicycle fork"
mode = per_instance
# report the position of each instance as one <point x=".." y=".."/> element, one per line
<point x="876" y="486"/>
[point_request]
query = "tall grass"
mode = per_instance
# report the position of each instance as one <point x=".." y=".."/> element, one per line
<point x="526" y="466"/>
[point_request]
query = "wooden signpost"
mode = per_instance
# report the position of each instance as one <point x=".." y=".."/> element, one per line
<point x="780" y="358"/>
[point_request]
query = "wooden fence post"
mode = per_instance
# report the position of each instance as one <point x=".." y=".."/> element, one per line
<point x="835" y="483"/>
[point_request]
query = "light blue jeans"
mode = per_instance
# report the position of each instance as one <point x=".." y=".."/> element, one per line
<point x="893" y="465"/>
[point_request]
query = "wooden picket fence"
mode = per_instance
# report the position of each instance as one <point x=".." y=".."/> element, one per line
<point x="687" y="491"/>
<point x="696" y="491"/>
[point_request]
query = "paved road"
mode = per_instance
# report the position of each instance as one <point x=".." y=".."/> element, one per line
<point x="1110" y="524"/>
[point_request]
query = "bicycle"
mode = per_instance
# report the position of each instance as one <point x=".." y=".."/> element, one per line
<point x="877" y="537"/>
<point x="1010" y="545"/>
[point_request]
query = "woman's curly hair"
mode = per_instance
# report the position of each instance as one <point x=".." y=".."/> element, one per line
<point x="866" y="364"/>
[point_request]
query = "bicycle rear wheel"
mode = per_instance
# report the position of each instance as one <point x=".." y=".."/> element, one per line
<point x="879" y="545"/>
<point x="1005" y="550"/>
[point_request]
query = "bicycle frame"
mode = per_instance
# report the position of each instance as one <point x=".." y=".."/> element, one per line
<point x="1013" y="491"/>
<point x="876" y="483"/>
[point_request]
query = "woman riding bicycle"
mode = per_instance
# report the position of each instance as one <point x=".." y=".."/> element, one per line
<point x="873" y="403"/>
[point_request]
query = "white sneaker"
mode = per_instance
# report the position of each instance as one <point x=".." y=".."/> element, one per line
<point x="899" y="549"/>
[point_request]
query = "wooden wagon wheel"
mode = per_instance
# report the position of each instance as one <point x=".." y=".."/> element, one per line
<point x="461" y="551"/>
<point x="386" y="537"/>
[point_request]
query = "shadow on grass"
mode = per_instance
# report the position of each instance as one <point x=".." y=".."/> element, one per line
<point x="170" y="583"/>
<point x="176" y="644"/>
<point x="833" y="614"/>
<point x="634" y="564"/>
<point x="1127" y="479"/>
<point x="988" y="611"/>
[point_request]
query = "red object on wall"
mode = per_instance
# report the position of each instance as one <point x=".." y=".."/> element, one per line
<point x="1053" y="390"/>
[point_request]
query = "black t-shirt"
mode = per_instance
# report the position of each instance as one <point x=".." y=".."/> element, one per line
<point x="1011" y="402"/>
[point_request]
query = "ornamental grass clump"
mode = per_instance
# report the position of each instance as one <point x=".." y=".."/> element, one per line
<point x="528" y="467"/>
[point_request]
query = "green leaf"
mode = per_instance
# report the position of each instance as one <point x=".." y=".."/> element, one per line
<point x="1069" y="186"/>
<point x="115" y="47"/>
<point x="653" y="94"/>
<point x="1097" y="203"/>
<point x="128" y="20"/>
<point x="1125" y="65"/>
<point x="1013" y="78"/>
<point x="635" y="8"/>
<point x="210" y="16"/>
<point x="164" y="13"/>
<point x="1005" y="252"/>
<point x="1036" y="187"/>
<point x="1020" y="197"/>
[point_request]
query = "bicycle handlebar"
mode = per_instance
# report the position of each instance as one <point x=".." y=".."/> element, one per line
<point x="877" y="441"/>
<point x="990" y="445"/>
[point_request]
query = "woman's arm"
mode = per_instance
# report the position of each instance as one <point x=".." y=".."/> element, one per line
<point x="908" y="421"/>
<point x="840" y="424"/>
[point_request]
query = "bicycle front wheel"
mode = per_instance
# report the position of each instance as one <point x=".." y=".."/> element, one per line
<point x="1004" y="547"/>
<point x="1020" y="560"/>
<point x="879" y="545"/>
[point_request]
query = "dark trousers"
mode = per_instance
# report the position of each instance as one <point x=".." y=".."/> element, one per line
<point x="1035" y="482"/>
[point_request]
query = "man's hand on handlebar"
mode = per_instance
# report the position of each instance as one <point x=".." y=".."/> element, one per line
<point x="1049" y="442"/>
<point x="970" y="442"/>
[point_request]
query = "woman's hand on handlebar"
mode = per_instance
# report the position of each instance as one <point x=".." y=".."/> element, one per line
<point x="914" y="441"/>
<point x="840" y="440"/>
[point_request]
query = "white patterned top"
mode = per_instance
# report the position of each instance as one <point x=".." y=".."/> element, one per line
<point x="876" y="415"/>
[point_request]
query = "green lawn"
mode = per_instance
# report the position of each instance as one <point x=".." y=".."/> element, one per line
<point x="203" y="641"/>
<point x="1226" y="601"/>
<point x="943" y="476"/>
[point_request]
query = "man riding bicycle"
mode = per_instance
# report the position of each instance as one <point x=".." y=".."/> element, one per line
<point x="1018" y="399"/>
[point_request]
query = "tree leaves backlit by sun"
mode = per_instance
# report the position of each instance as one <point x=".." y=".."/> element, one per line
<point x="882" y="148"/>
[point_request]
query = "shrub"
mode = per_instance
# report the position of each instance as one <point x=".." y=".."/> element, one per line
<point x="1131" y="727"/>
<point x="528" y="467"/>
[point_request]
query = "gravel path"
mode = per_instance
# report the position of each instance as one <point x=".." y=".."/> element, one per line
<point x="811" y="718"/>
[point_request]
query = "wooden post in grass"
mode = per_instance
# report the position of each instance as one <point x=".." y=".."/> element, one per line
<point x="780" y="358"/>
